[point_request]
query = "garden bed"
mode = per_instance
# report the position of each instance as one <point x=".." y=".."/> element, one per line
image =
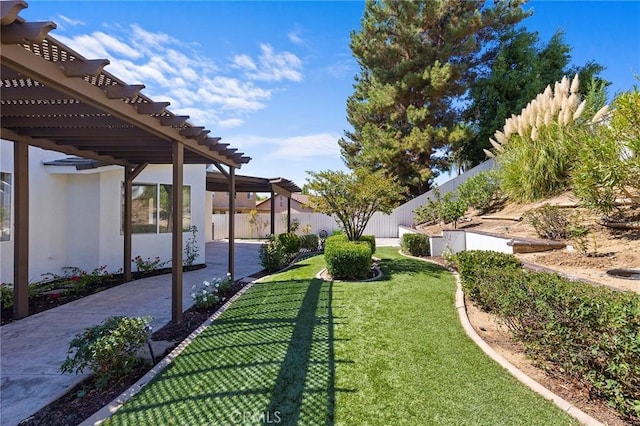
<point x="61" y="291"/>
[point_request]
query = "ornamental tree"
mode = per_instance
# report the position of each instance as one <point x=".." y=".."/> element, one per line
<point x="352" y="198"/>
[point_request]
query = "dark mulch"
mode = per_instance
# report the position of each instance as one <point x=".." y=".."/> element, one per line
<point x="83" y="400"/>
<point x="52" y="298"/>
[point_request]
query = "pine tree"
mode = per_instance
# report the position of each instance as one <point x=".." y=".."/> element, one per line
<point x="416" y="60"/>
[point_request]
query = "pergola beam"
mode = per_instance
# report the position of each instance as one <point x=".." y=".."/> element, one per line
<point x="53" y="146"/>
<point x="49" y="74"/>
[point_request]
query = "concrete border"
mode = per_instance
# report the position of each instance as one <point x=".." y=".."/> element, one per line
<point x="108" y="410"/>
<point x="560" y="402"/>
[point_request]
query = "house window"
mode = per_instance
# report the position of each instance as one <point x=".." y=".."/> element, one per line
<point x="151" y="208"/>
<point x="5" y="206"/>
<point x="144" y="208"/>
<point x="166" y="208"/>
<point x="248" y="195"/>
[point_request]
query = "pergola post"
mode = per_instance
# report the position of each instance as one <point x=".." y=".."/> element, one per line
<point x="273" y="212"/>
<point x="127" y="229"/>
<point x="288" y="214"/>
<point x="21" y="231"/>
<point x="232" y="221"/>
<point x="176" y="233"/>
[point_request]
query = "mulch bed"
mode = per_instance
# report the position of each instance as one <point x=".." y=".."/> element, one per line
<point x="59" y="296"/>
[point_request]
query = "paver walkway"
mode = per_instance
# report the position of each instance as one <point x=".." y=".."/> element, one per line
<point x="32" y="349"/>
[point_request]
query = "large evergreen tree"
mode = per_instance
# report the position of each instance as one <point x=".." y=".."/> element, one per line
<point x="416" y="60"/>
<point x="516" y="71"/>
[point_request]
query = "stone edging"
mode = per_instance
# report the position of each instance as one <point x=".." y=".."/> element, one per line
<point x="108" y="410"/>
<point x="560" y="402"/>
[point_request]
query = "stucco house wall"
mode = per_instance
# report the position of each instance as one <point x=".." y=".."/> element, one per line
<point x="75" y="216"/>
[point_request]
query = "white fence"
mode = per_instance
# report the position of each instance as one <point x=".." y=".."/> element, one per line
<point x="380" y="225"/>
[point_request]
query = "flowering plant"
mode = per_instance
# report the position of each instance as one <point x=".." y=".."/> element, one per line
<point x="149" y="264"/>
<point x="210" y="292"/>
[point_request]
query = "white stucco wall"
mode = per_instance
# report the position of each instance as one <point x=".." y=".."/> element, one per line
<point x="454" y="240"/>
<point x="488" y="242"/>
<point x="48" y="207"/>
<point x="75" y="216"/>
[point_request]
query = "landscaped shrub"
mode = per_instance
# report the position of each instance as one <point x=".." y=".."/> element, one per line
<point x="290" y="242"/>
<point x="609" y="158"/>
<point x="108" y="350"/>
<point x="309" y="242"/>
<point x="371" y="240"/>
<point x="210" y="292"/>
<point x="587" y="332"/>
<point x="480" y="191"/>
<point x="273" y="255"/>
<point x="416" y="244"/>
<point x="550" y="222"/>
<point x="536" y="149"/>
<point x="347" y="259"/>
<point x="469" y="263"/>
<point x="443" y="209"/>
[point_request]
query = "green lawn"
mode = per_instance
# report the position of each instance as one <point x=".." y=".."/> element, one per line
<point x="295" y="349"/>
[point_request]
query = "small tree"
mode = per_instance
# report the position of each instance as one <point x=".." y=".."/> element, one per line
<point x="256" y="223"/>
<point x="353" y="198"/>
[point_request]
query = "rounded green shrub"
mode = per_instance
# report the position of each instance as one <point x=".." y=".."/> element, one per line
<point x="309" y="242"/>
<point x="273" y="256"/>
<point x="416" y="244"/>
<point x="290" y="242"/>
<point x="371" y="240"/>
<point x="108" y="349"/>
<point x="347" y="259"/>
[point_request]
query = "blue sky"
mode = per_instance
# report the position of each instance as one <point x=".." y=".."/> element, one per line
<point x="272" y="78"/>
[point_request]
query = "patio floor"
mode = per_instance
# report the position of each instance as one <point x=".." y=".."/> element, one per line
<point x="32" y="349"/>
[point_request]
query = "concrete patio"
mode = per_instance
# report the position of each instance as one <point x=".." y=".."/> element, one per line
<point x="33" y="348"/>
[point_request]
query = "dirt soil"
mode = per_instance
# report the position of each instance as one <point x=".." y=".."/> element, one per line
<point x="607" y="248"/>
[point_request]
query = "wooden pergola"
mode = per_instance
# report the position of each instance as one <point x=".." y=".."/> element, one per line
<point x="223" y="181"/>
<point x="54" y="98"/>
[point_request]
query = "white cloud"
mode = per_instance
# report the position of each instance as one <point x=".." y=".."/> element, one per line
<point x="173" y="70"/>
<point x="244" y="62"/>
<point x="276" y="66"/>
<point x="116" y="46"/>
<point x="291" y="148"/>
<point x="295" y="38"/>
<point x="231" y="122"/>
<point x="69" y="21"/>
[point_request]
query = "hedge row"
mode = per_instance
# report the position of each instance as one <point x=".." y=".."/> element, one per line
<point x="416" y="244"/>
<point x="347" y="259"/>
<point x="591" y="333"/>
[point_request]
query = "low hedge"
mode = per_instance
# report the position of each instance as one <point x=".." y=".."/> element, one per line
<point x="590" y="333"/>
<point x="290" y="242"/>
<point x="309" y="242"/>
<point x="416" y="244"/>
<point x="347" y="259"/>
<point x="371" y="240"/>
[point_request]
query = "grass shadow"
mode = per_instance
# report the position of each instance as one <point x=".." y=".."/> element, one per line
<point x="269" y="358"/>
